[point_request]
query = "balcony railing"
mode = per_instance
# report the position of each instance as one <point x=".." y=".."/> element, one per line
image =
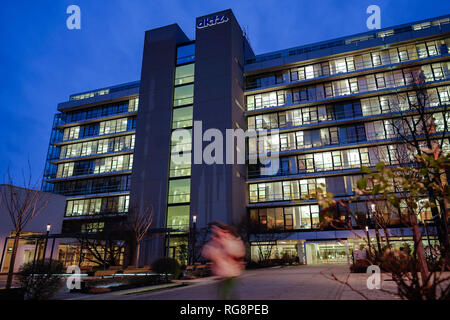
<point x="92" y="190"/>
<point x="94" y="214"/>
<point x="108" y="152"/>
<point x="335" y="90"/>
<point x="343" y="41"/>
<point x="60" y="139"/>
<point x="63" y="119"/>
<point x="85" y="173"/>
<point x="252" y="174"/>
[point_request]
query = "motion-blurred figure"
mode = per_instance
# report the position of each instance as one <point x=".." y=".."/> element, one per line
<point x="225" y="250"/>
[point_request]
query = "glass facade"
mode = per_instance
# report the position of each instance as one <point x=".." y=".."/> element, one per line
<point x="182" y="117"/>
<point x="328" y="118"/>
<point x="97" y="129"/>
<point x="370" y="131"/>
<point x="351" y="86"/>
<point x="178" y="217"/>
<point x="287" y="218"/>
<point x="178" y="199"/>
<point x="97" y="206"/>
<point x="184" y="74"/>
<point x="113" y="184"/>
<point x="378" y="105"/>
<point x="97" y="112"/>
<point x="183" y="95"/>
<point x="89" y="148"/>
<point x="90" y="159"/>
<point x="101" y="165"/>
<point x="186" y="54"/>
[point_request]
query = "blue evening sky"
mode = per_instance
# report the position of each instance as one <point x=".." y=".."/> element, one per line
<point x="42" y="62"/>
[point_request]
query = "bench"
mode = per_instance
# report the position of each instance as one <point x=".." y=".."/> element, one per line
<point x="137" y="270"/>
<point x="102" y="273"/>
<point x="201" y="270"/>
<point x="85" y="269"/>
<point x="190" y="268"/>
<point x="198" y="269"/>
<point x="117" y="268"/>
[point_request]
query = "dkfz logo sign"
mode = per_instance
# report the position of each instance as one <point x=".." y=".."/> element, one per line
<point x="208" y="22"/>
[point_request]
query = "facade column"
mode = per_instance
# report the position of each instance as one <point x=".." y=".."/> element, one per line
<point x="300" y="252"/>
<point x="348" y="251"/>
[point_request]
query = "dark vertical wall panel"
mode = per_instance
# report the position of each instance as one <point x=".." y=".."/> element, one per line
<point x="151" y="156"/>
<point x="218" y="191"/>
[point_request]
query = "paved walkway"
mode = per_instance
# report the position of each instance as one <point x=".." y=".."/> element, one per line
<point x="3" y="278"/>
<point x="283" y="283"/>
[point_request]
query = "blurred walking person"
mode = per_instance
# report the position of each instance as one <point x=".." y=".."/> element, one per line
<point x="226" y="251"/>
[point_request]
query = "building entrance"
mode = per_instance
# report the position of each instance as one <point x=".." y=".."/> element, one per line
<point x="326" y="253"/>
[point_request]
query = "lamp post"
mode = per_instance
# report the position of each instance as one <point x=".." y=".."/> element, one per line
<point x="428" y="237"/>
<point x="49" y="226"/>
<point x="194" y="230"/>
<point x="368" y="238"/>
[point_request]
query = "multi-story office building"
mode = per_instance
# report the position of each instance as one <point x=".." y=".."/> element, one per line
<point x="90" y="157"/>
<point x="326" y="108"/>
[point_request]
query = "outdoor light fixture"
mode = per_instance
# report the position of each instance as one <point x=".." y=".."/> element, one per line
<point x="372" y="206"/>
<point x="49" y="226"/>
<point x="367" y="229"/>
<point x="192" y="234"/>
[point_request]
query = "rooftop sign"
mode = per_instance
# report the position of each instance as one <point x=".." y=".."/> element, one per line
<point x="208" y="22"/>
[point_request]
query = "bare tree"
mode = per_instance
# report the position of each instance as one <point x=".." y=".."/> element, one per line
<point x="265" y="238"/>
<point x="401" y="191"/>
<point x="23" y="204"/>
<point x="139" y="221"/>
<point x="201" y="238"/>
<point x="102" y="251"/>
<point x="416" y="127"/>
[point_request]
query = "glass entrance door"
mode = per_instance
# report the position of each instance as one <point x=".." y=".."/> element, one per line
<point x="326" y="253"/>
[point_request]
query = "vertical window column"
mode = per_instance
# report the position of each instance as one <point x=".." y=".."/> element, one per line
<point x="178" y="215"/>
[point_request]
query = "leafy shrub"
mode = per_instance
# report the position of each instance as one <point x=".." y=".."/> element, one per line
<point x="167" y="266"/>
<point x="360" y="266"/>
<point x="41" y="281"/>
<point x="262" y="264"/>
<point x="288" y="259"/>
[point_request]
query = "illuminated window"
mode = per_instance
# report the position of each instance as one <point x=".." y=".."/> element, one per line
<point x="93" y="206"/>
<point x="113" y="126"/>
<point x="182" y="117"/>
<point x="421" y="26"/>
<point x="180" y="169"/>
<point x="386" y="33"/>
<point x="71" y="133"/>
<point x="133" y="105"/>
<point x="92" y="227"/>
<point x="179" y="190"/>
<point x="181" y="143"/>
<point x="183" y="95"/>
<point x="184" y="74"/>
<point x="178" y="217"/>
